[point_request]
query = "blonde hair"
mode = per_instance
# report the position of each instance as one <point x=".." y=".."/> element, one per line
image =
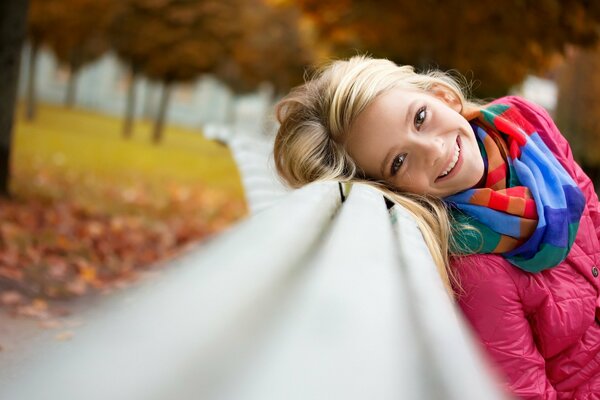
<point x="315" y="116"/>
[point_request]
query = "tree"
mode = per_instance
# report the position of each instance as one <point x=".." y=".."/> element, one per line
<point x="130" y="34"/>
<point x="181" y="39"/>
<point x="271" y="48"/>
<point x="13" y="16"/>
<point x="499" y="45"/>
<point x="40" y="22"/>
<point x="78" y="35"/>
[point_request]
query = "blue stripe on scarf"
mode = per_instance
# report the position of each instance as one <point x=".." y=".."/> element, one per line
<point x="499" y="221"/>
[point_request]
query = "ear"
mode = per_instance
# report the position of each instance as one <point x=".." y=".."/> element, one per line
<point x="447" y="97"/>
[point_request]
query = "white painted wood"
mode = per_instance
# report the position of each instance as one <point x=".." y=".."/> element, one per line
<point x="179" y="332"/>
<point x="254" y="159"/>
<point x="345" y="332"/>
<point x="455" y="360"/>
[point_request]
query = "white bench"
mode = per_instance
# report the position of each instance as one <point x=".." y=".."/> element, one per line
<point x="254" y="158"/>
<point x="311" y="298"/>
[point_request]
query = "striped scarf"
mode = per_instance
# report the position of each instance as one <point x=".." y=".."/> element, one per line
<point x="529" y="208"/>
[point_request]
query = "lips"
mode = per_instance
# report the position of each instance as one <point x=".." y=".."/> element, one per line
<point x="456" y="166"/>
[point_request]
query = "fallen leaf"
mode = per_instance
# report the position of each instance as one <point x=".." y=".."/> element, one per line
<point x="87" y="272"/>
<point x="64" y="336"/>
<point x="50" y="324"/>
<point x="40" y="304"/>
<point x="31" y="311"/>
<point x="78" y="287"/>
<point x="66" y="233"/>
<point x="11" y="298"/>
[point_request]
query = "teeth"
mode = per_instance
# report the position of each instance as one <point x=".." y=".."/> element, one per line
<point x="454" y="160"/>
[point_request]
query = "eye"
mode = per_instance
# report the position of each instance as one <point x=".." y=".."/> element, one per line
<point x="397" y="163"/>
<point x="420" y="117"/>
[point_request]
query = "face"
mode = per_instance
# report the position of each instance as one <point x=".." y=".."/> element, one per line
<point x="417" y="142"/>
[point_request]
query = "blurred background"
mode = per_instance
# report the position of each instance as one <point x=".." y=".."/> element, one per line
<point x="116" y="150"/>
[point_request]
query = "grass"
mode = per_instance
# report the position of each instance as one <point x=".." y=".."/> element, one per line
<point x="86" y="152"/>
<point x="90" y="208"/>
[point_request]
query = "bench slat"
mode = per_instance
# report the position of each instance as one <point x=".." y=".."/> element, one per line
<point x="344" y="331"/>
<point x="144" y="343"/>
<point x="457" y="367"/>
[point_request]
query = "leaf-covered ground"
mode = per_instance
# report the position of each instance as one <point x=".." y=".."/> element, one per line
<point x="90" y="210"/>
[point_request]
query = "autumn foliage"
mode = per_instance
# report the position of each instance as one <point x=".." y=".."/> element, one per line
<point x="279" y="54"/>
<point x="174" y="40"/>
<point x="75" y="30"/>
<point x="497" y="44"/>
<point x="58" y="249"/>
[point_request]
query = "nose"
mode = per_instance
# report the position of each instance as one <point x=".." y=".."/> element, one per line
<point x="432" y="150"/>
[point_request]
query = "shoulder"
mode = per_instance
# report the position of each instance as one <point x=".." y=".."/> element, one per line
<point x="519" y="102"/>
<point x="524" y="106"/>
<point x="542" y="123"/>
<point x="535" y="115"/>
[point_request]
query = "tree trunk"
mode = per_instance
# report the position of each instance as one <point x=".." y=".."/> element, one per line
<point x="71" y="93"/>
<point x="30" y="96"/>
<point x="13" y="17"/>
<point x="130" y="105"/>
<point x="157" y="134"/>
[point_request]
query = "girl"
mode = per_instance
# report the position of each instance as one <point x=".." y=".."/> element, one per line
<point x="511" y="220"/>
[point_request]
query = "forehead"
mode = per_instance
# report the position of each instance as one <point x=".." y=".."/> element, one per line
<point x="388" y="107"/>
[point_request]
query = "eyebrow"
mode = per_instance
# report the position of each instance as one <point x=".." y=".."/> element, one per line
<point x="385" y="162"/>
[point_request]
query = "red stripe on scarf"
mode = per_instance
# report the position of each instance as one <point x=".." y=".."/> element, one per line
<point x="496" y="176"/>
<point x="517" y="191"/>
<point x="509" y="129"/>
<point x="498" y="202"/>
<point x="513" y="116"/>
<point x="530" y="210"/>
<point x="514" y="151"/>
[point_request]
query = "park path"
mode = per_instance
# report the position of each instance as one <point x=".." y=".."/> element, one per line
<point x="23" y="339"/>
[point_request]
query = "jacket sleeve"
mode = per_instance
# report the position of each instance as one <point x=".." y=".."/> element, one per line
<point x="491" y="303"/>
<point x="557" y="143"/>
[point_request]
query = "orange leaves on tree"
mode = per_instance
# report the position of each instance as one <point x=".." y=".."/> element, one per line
<point x="499" y="45"/>
<point x="74" y="29"/>
<point x="273" y="33"/>
<point x="194" y="34"/>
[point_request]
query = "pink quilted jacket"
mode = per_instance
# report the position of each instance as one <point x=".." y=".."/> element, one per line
<point x="541" y="330"/>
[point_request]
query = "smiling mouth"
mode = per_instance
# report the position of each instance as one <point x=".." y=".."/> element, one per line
<point x="453" y="163"/>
